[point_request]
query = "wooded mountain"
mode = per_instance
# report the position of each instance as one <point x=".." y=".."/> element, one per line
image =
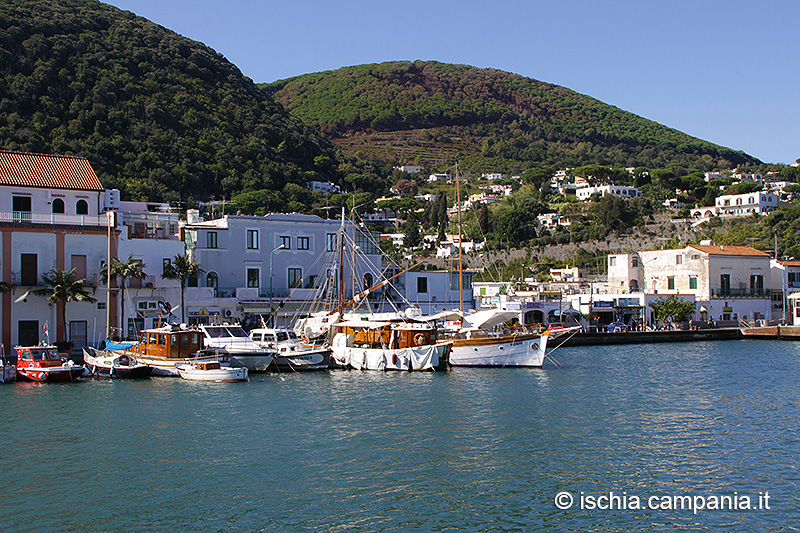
<point x="425" y="112"/>
<point x="159" y="116"/>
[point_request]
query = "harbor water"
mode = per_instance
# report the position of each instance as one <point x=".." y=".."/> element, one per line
<point x="613" y="438"/>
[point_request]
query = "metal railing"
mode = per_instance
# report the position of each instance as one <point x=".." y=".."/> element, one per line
<point x="25" y="217"/>
<point x="739" y="293"/>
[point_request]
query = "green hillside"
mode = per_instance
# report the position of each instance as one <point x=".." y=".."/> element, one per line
<point x="426" y="112"/>
<point x="159" y="116"/>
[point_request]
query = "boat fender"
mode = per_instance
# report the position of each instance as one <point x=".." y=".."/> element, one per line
<point x="419" y="339"/>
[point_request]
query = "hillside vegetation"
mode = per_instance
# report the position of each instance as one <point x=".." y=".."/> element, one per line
<point x="159" y="116"/>
<point x="426" y="112"/>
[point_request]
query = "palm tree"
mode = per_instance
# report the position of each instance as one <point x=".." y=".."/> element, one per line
<point x="181" y="268"/>
<point x="5" y="287"/>
<point x="61" y="287"/>
<point x="121" y="271"/>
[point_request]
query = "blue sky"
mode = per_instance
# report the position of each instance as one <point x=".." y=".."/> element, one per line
<point x="723" y="71"/>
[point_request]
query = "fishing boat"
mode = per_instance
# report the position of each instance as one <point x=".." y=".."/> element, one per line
<point x="218" y="371"/>
<point x="387" y="345"/>
<point x="291" y="353"/>
<point x="234" y="342"/>
<point x="113" y="362"/>
<point x="44" y="363"/>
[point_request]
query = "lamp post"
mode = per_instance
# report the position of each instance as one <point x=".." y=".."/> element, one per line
<point x="271" y="312"/>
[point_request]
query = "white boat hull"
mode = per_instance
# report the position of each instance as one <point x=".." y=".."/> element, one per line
<point x="224" y="374"/>
<point x="521" y="351"/>
<point x="427" y="357"/>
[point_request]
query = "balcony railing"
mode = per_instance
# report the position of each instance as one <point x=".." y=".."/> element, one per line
<point x="24" y="217"/>
<point x="739" y="293"/>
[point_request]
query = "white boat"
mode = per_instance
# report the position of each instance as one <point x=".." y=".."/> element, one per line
<point x="385" y="345"/>
<point x="291" y="352"/>
<point x="211" y="371"/>
<point x="233" y="341"/>
<point x="8" y="372"/>
<point x="482" y="339"/>
<point x="114" y="364"/>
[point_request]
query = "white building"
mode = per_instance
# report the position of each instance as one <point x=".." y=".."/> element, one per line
<point x="50" y="218"/>
<point x="552" y="220"/>
<point x="727" y="282"/>
<point x="409" y="169"/>
<point x="585" y="193"/>
<point x="279" y="259"/>
<point x="322" y="186"/>
<point x="439" y="177"/>
<point x="738" y="205"/>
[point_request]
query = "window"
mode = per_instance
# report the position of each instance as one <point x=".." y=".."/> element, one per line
<point x="330" y="242"/>
<point x="212" y="280"/>
<point x="678" y="259"/>
<point x="252" y="239"/>
<point x="725" y="284"/>
<point x="78" y="262"/>
<point x="191" y="281"/>
<point x="286" y="242"/>
<point x="302" y="243"/>
<point x="211" y="239"/>
<point x="58" y="206"/>
<point x="28" y="270"/>
<point x="635" y="262"/>
<point x="671" y="282"/>
<point x="77" y="333"/>
<point x="21" y="206"/>
<point x="612" y="261"/>
<point x="295" y="277"/>
<point x="165" y="266"/>
<point x="368" y="281"/>
<point x="422" y="284"/>
<point x="28" y="332"/>
<point x="692" y="282"/>
<point x="82" y="208"/>
<point x="756" y="284"/>
<point x="252" y="277"/>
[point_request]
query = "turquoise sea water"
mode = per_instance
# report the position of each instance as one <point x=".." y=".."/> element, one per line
<point x="465" y="450"/>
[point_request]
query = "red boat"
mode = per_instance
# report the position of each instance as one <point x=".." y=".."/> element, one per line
<point x="43" y="363"/>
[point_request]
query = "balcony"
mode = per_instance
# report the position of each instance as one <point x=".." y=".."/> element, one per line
<point x="52" y="219"/>
<point x="740" y="293"/>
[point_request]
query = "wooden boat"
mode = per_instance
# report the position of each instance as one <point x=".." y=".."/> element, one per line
<point x="233" y="341"/>
<point x="386" y="345"/>
<point x="111" y="364"/>
<point x="44" y="363"/>
<point x="290" y="352"/>
<point x="483" y="340"/>
<point x="211" y="371"/>
<point x="164" y="348"/>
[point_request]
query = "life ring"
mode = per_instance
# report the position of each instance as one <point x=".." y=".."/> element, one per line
<point x="419" y="339"/>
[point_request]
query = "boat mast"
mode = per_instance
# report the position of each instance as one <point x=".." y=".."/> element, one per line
<point x="460" y="264"/>
<point x="109" y="215"/>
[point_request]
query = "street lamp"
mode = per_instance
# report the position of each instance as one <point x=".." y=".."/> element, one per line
<point x="271" y="312"/>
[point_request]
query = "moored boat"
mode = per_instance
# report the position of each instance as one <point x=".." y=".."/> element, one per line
<point x="211" y="371"/>
<point x="290" y="352"/>
<point x="8" y="372"/>
<point x="164" y="348"/>
<point x="483" y="340"/>
<point x="234" y="342"/>
<point x="386" y="345"/>
<point x="44" y="363"/>
<point x="114" y="364"/>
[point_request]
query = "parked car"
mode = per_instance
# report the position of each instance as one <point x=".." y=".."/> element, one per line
<point x="617" y="327"/>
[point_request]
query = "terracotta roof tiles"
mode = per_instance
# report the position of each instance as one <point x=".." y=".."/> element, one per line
<point x="44" y="170"/>
<point x="729" y="250"/>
